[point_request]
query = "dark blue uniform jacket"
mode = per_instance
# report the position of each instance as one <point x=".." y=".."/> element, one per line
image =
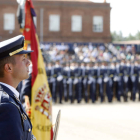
<point x="14" y="123"/>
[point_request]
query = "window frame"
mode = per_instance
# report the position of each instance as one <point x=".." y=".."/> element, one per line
<point x="7" y="24"/>
<point x="51" y="29"/>
<point x="73" y="28"/>
<point x="98" y="28"/>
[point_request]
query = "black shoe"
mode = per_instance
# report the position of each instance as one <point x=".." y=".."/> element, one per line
<point x="66" y="99"/>
<point x="78" y="101"/>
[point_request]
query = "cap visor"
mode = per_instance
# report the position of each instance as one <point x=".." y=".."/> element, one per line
<point x="25" y="52"/>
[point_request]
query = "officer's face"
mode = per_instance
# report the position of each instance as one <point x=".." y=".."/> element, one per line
<point x="21" y="67"/>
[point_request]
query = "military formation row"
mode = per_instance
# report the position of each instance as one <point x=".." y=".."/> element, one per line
<point x="93" y="81"/>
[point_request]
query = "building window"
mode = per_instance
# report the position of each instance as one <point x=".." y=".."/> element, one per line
<point x="54" y="23"/>
<point x="76" y="23"/>
<point x="9" y="21"/>
<point x="97" y="24"/>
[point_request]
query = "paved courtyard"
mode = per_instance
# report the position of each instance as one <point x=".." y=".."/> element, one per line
<point x="106" y="121"/>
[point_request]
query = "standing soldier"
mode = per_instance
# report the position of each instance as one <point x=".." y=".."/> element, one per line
<point x="59" y="81"/>
<point x="134" y="78"/>
<point x="100" y="81"/>
<point x="127" y="79"/>
<point x="65" y="74"/>
<point x="121" y="80"/>
<point x="109" y="82"/>
<point x="53" y="82"/>
<point x="126" y="69"/>
<point x="83" y="69"/>
<point x="117" y="79"/>
<point x="70" y="82"/>
<point x="85" y="82"/>
<point x="77" y="82"/>
<point x="113" y="77"/>
<point x="80" y="80"/>
<point x="92" y="82"/>
<point x="106" y="74"/>
<point x="14" y="67"/>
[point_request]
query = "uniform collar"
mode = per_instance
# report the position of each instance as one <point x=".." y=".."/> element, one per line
<point x="122" y="64"/>
<point x="72" y="67"/>
<point x="103" y="67"/>
<point x="67" y="68"/>
<point x="49" y="67"/>
<point x="95" y="67"/>
<point x="57" y="66"/>
<point x="112" y="66"/>
<point x="127" y="64"/>
<point x="87" y="67"/>
<point x="16" y="93"/>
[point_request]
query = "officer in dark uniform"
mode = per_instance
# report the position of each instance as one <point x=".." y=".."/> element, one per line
<point x="85" y="82"/>
<point x="80" y="81"/>
<point x="98" y="79"/>
<point x="126" y="69"/>
<point x="92" y="82"/>
<point x="113" y="76"/>
<point x="109" y="81"/>
<point x="70" y="82"/>
<point x="134" y="79"/>
<point x="129" y="83"/>
<point x="120" y="72"/>
<point x="77" y="82"/>
<point x="65" y="78"/>
<point x="59" y="81"/>
<point x="14" y="122"/>
<point x="101" y="83"/>
<point x="106" y="73"/>
<point x="82" y="75"/>
<point x="117" y="79"/>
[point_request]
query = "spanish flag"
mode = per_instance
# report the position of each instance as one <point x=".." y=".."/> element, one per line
<point x="41" y="101"/>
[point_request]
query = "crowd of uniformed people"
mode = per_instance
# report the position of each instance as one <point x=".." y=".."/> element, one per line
<point x="94" y="81"/>
<point x="91" y="74"/>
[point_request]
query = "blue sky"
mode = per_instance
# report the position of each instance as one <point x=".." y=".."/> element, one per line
<point x="125" y="16"/>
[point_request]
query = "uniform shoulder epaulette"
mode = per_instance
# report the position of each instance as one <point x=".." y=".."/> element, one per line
<point x="1" y="89"/>
<point x="3" y="95"/>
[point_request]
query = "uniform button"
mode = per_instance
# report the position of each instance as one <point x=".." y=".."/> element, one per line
<point x="29" y="130"/>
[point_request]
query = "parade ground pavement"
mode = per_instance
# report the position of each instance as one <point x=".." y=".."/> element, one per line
<point x="98" y="121"/>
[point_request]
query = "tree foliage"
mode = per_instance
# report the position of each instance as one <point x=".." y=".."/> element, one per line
<point x="119" y="36"/>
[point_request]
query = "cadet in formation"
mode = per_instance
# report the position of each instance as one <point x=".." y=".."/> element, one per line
<point x="14" y="67"/>
<point x="96" y="80"/>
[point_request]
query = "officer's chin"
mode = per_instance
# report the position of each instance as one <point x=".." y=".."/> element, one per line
<point x="27" y="76"/>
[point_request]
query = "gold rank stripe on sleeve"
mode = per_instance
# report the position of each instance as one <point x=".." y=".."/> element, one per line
<point x="17" y="51"/>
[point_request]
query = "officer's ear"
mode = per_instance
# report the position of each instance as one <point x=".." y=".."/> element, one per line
<point x="8" y="68"/>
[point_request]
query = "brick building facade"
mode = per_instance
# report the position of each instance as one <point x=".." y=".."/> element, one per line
<point x="61" y="20"/>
